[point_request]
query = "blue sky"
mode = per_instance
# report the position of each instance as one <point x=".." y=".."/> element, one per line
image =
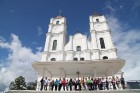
<point x="25" y="17"/>
<point x="24" y="23"/>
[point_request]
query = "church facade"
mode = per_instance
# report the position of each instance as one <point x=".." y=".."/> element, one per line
<point x="79" y="56"/>
<point x="79" y="47"/>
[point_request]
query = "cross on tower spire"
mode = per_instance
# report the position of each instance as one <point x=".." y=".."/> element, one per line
<point x="60" y="11"/>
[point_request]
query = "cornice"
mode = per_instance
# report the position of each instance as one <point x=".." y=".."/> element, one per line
<point x="53" y="34"/>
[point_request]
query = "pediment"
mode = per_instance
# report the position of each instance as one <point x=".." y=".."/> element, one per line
<point x="78" y="36"/>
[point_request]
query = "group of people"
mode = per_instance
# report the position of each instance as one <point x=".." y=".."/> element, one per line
<point x="86" y="84"/>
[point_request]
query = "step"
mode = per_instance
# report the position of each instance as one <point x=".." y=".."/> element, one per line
<point x="101" y="91"/>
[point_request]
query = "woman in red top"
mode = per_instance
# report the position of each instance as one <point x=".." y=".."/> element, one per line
<point x="64" y="83"/>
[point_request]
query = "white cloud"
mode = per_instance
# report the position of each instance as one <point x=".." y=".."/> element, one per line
<point x="2" y="39"/>
<point x="128" y="44"/>
<point x="17" y="63"/>
<point x="39" y="31"/>
<point x="109" y="7"/>
<point x="39" y="48"/>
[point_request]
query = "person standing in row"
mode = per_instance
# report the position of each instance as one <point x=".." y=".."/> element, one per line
<point x="64" y="83"/>
<point x="42" y="83"/>
<point x="117" y="82"/>
<point x="107" y="84"/>
<point x="122" y="82"/>
<point x="95" y="83"/>
<point x="79" y="84"/>
<point x="52" y="84"/>
<point x="67" y="84"/>
<point x="114" y="83"/>
<point x="82" y="84"/>
<point x="70" y="84"/>
<point x="45" y="84"/>
<point x="60" y="84"/>
<point x="56" y="83"/>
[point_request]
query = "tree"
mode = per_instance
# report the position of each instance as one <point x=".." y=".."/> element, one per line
<point x="12" y="85"/>
<point x="31" y="85"/>
<point x="18" y="84"/>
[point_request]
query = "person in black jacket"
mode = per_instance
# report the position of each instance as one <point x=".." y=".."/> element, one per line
<point x="42" y="83"/>
<point x="107" y="84"/>
<point x="70" y="84"/>
<point x="78" y="84"/>
<point x="52" y="84"/>
<point x="122" y="82"/>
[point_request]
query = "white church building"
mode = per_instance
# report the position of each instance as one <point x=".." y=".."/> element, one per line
<point x="80" y="56"/>
<point x="79" y="47"/>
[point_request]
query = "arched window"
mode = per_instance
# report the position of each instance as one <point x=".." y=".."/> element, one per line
<point x="102" y="43"/>
<point x="78" y="48"/>
<point x="57" y="22"/>
<point x="105" y="57"/>
<point x="75" y="59"/>
<point x="53" y="59"/>
<point x="82" y="59"/>
<point x="97" y="20"/>
<point x="54" y="45"/>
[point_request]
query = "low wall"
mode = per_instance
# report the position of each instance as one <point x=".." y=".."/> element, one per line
<point x="103" y="91"/>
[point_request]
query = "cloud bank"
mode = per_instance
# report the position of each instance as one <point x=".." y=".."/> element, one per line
<point x="17" y="63"/>
<point x="127" y="41"/>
